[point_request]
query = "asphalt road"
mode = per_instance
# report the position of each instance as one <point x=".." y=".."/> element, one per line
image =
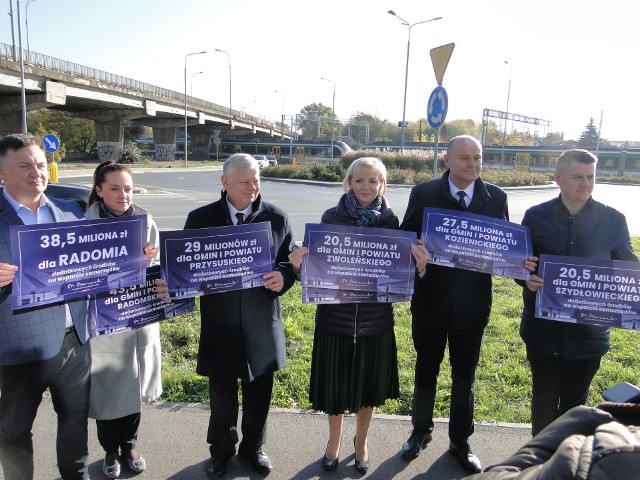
<point x="172" y="193"/>
<point x="173" y="441"/>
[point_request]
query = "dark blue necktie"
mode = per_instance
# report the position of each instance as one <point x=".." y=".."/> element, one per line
<point x="461" y="201"/>
<point x="240" y="217"/>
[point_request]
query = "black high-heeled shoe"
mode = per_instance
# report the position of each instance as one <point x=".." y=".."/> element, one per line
<point x="328" y="464"/>
<point x="361" y="466"/>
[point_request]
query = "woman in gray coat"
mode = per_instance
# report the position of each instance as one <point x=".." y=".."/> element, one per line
<point x="125" y="367"/>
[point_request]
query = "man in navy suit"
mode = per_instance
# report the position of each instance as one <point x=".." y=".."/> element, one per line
<point x="40" y="347"/>
<point x="450" y="305"/>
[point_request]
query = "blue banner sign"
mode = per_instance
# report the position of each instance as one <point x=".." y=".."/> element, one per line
<point x="586" y="290"/>
<point x="133" y="307"/>
<point x="361" y="259"/>
<point x="58" y="261"/>
<point x="217" y="259"/>
<point x="469" y="241"/>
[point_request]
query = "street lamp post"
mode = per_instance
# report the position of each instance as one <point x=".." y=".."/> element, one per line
<point x="406" y="73"/>
<point x="504" y="132"/>
<point x="186" y="119"/>
<point x="26" y="21"/>
<point x="23" y="92"/>
<point x="282" y="116"/>
<point x="26" y="9"/>
<point x="193" y="75"/>
<point x="14" y="53"/>
<point x="229" y="58"/>
<point x="333" y="110"/>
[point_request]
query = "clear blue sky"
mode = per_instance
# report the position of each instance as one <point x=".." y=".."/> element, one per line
<point x="568" y="59"/>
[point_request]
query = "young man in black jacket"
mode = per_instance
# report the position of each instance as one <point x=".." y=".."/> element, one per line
<point x="564" y="357"/>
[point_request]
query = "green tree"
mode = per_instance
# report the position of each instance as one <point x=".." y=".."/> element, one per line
<point x="553" y="137"/>
<point x="589" y="138"/>
<point x="379" y="130"/>
<point x="59" y="154"/>
<point x="461" y="127"/>
<point x="78" y="134"/>
<point x="133" y="131"/>
<point x="130" y="153"/>
<point x="310" y="121"/>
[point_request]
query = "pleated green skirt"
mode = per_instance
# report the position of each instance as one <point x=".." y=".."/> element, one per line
<point x="346" y="376"/>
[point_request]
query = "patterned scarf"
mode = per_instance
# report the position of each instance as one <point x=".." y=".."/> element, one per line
<point x="106" y="213"/>
<point x="364" y="216"/>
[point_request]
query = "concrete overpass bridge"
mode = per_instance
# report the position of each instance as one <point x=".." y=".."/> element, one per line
<point x="110" y="99"/>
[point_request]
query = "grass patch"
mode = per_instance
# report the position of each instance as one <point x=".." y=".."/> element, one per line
<point x="503" y="387"/>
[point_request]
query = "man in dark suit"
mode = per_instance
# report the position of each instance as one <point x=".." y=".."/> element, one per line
<point x="450" y="304"/>
<point x="40" y="347"/>
<point x="241" y="331"/>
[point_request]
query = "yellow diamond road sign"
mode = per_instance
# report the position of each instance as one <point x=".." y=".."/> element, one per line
<point x="440" y="59"/>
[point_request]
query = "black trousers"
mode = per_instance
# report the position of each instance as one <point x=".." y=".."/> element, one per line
<point x="256" y="398"/>
<point x="464" y="353"/>
<point x="67" y="375"/>
<point x="119" y="433"/>
<point x="558" y="386"/>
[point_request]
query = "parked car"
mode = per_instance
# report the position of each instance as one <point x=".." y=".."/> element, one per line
<point x="262" y="160"/>
<point x="273" y="161"/>
<point x="77" y="193"/>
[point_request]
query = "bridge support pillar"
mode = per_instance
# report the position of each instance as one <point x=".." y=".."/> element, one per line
<point x="11" y="123"/>
<point x="110" y="137"/>
<point x="200" y="141"/>
<point x="164" y="139"/>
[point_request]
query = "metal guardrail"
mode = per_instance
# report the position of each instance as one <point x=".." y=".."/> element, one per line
<point x="64" y="66"/>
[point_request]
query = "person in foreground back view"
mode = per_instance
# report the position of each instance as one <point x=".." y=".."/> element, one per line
<point x="589" y="443"/>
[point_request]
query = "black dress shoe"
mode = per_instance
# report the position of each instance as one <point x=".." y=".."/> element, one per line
<point x="328" y="464"/>
<point x="415" y="444"/>
<point x="363" y="467"/>
<point x="466" y="457"/>
<point x="216" y="468"/>
<point x="259" y="461"/>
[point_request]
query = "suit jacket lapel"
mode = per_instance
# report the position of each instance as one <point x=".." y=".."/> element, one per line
<point x="8" y="216"/>
<point x="58" y="216"/>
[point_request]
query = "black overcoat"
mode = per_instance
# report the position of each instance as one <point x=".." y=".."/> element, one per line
<point x="451" y="297"/>
<point x="241" y="331"/>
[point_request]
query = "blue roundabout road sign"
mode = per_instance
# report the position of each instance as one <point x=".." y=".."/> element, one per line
<point x="437" y="107"/>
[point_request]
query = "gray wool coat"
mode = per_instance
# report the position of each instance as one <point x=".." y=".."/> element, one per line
<point x="125" y="366"/>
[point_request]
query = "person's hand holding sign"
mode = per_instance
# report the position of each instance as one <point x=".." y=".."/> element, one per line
<point x="295" y="258"/>
<point x="534" y="282"/>
<point x="273" y="281"/>
<point x="421" y="256"/>
<point x="150" y="251"/>
<point x="7" y="272"/>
